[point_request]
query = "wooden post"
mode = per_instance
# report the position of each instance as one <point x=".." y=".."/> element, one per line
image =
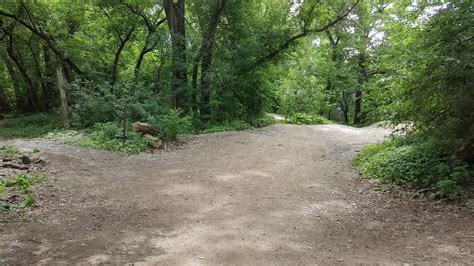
<point x="62" y="91"/>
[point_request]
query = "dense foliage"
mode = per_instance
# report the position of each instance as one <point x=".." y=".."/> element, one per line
<point x="207" y="66"/>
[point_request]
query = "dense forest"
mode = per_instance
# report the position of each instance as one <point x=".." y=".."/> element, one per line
<point x="205" y="66"/>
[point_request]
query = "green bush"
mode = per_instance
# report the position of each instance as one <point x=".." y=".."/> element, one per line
<point x="263" y="121"/>
<point x="108" y="136"/>
<point x="419" y="162"/>
<point x="173" y="124"/>
<point x="98" y="103"/>
<point x="305" y="119"/>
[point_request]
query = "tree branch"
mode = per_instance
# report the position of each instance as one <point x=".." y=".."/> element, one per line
<point x="48" y="39"/>
<point x="300" y="35"/>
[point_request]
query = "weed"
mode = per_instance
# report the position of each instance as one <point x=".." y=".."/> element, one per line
<point x="19" y="184"/>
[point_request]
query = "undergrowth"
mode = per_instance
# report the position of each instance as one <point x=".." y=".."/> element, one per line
<point x="15" y="191"/>
<point x="420" y="162"/>
<point x="305" y="119"/>
<point x="108" y="136"/>
<point x="31" y="126"/>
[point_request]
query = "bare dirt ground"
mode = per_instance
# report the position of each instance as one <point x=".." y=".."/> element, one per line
<point x="279" y="195"/>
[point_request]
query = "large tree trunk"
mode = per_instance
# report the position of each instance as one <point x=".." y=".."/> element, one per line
<point x="174" y="10"/>
<point x="205" y="56"/>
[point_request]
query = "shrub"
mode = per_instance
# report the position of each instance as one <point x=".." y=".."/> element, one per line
<point x="419" y="162"/>
<point x="263" y="121"/>
<point x="305" y="119"/>
<point x="108" y="136"/>
<point x="173" y="124"/>
<point x="98" y="103"/>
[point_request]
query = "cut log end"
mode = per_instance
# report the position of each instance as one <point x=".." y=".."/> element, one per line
<point x="155" y="142"/>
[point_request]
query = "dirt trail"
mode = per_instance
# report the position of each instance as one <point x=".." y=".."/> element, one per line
<point x="279" y="195"/>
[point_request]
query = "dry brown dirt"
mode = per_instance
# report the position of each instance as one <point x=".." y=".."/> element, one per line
<point x="282" y="194"/>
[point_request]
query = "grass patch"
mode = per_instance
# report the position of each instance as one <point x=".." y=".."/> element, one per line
<point x="227" y="126"/>
<point x="31" y="126"/>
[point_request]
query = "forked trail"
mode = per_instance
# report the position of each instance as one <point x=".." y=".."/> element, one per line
<point x="283" y="194"/>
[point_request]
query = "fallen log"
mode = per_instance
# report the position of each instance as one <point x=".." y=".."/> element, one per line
<point x="155" y="142"/>
<point x="15" y="166"/>
<point x="144" y="128"/>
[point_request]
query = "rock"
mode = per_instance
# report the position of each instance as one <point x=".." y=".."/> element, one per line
<point x="25" y="159"/>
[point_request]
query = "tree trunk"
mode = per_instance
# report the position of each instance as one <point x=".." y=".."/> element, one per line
<point x="205" y="56"/>
<point x="49" y="77"/>
<point x="39" y="81"/>
<point x="31" y="95"/>
<point x="358" y="94"/>
<point x="176" y="24"/>
<point x="114" y="72"/>
<point x="4" y="104"/>
<point x="20" y="100"/>
<point x="62" y="92"/>
<point x="357" y="106"/>
<point x="138" y="64"/>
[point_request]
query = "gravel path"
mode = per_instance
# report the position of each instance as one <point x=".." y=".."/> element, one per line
<point x="282" y="194"/>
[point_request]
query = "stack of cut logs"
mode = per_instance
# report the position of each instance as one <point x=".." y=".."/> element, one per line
<point x="148" y="131"/>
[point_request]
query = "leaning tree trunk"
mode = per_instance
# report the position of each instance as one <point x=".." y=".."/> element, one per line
<point x="123" y="41"/>
<point x="174" y="10"/>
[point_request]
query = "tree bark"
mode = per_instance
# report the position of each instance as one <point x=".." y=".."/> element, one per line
<point x="48" y="39"/>
<point x="62" y="92"/>
<point x="20" y="100"/>
<point x="49" y="76"/>
<point x="39" y="81"/>
<point x="4" y="104"/>
<point x="176" y="24"/>
<point x="123" y="41"/>
<point x="31" y="95"/>
<point x="358" y="94"/>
